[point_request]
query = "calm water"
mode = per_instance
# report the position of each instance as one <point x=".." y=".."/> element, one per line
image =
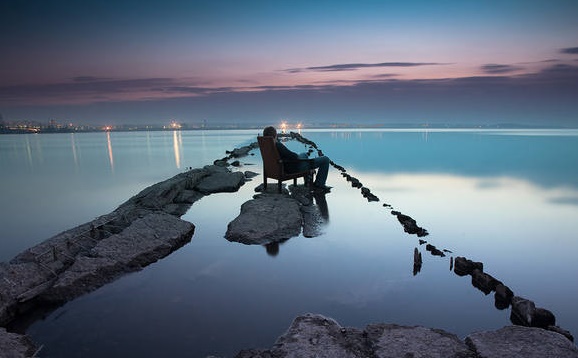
<point x="506" y="198"/>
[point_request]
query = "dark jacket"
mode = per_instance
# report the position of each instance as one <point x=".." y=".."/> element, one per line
<point x="290" y="158"/>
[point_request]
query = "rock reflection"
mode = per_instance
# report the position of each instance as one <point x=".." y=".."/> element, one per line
<point x="417" y="261"/>
<point x="523" y="311"/>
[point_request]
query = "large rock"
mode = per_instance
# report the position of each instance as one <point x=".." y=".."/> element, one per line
<point x="265" y="219"/>
<point x="147" y="240"/>
<point x="220" y="179"/>
<point x="463" y="266"/>
<point x="14" y="345"/>
<point x="156" y="196"/>
<point x="390" y="340"/>
<point x="314" y="335"/>
<point x="518" y="341"/>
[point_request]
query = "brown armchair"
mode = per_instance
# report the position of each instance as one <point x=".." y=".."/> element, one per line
<point x="273" y="164"/>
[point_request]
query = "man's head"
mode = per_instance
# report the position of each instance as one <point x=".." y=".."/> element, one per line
<point x="269" y="132"/>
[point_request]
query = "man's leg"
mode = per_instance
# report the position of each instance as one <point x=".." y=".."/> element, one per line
<point x="323" y="164"/>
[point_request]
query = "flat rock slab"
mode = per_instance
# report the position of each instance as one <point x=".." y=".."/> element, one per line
<point x="313" y="335"/>
<point x="519" y="341"/>
<point x="220" y="180"/>
<point x="14" y="345"/>
<point x="265" y="219"/>
<point x="391" y="340"/>
<point x="145" y="241"/>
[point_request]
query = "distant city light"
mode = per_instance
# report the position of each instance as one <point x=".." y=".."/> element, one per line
<point x="288" y="126"/>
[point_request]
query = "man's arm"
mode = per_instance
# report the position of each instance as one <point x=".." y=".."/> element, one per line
<point x="285" y="153"/>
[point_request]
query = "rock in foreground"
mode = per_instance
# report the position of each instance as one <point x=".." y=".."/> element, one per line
<point x="15" y="345"/>
<point x="267" y="218"/>
<point x="519" y="341"/>
<point x="314" y="335"/>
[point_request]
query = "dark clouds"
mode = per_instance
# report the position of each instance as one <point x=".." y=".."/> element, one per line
<point x="570" y="50"/>
<point x="547" y="97"/>
<point x="499" y="69"/>
<point x="357" y="66"/>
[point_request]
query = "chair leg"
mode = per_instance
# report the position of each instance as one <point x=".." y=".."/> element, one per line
<point x="295" y="181"/>
<point x="279" y="186"/>
<point x="264" y="182"/>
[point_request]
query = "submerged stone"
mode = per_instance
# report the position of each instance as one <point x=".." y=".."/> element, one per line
<point x="267" y="218"/>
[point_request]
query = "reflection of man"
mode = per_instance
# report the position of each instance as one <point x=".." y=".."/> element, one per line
<point x="272" y="248"/>
<point x="294" y="165"/>
<point x="321" y="202"/>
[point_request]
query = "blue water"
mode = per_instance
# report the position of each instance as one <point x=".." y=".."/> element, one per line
<point x="506" y="198"/>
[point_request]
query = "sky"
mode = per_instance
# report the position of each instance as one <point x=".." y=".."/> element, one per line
<point x="250" y="62"/>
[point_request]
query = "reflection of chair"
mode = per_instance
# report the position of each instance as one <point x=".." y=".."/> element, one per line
<point x="273" y="164"/>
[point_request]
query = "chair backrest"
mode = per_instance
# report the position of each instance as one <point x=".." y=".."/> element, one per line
<point x="272" y="165"/>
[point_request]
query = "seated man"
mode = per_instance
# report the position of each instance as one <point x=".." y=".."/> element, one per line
<point x="293" y="165"/>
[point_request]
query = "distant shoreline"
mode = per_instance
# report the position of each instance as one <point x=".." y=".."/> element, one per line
<point x="156" y="128"/>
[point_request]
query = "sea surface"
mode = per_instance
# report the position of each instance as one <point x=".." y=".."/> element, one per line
<point x="507" y="198"/>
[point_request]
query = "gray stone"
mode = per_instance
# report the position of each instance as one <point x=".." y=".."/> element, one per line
<point x="265" y="219"/>
<point x="219" y="181"/>
<point x="144" y="242"/>
<point x="523" y="311"/>
<point x="463" y="266"/>
<point x="14" y="345"/>
<point x="518" y="341"/>
<point x="561" y="331"/>
<point x="158" y="195"/>
<point x="503" y="296"/>
<point x="249" y="174"/>
<point x="313" y="335"/>
<point x="391" y="340"/>
<point x="188" y="196"/>
<point x="483" y="281"/>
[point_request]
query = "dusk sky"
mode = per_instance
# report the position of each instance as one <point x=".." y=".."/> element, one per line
<point x="246" y="62"/>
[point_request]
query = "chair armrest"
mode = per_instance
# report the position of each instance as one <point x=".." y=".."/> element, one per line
<point x="309" y="160"/>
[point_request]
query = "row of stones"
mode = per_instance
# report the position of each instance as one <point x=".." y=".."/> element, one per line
<point x="524" y="312"/>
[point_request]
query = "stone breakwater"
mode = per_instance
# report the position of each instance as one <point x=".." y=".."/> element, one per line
<point x="139" y="232"/>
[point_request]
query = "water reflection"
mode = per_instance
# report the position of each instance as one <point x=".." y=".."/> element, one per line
<point x="28" y="151"/>
<point x="73" y="145"/>
<point x="523" y="311"/>
<point x="177" y="147"/>
<point x="109" y="148"/>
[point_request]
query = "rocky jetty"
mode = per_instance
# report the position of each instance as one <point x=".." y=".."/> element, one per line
<point x="139" y="232"/>
<point x="314" y="335"/>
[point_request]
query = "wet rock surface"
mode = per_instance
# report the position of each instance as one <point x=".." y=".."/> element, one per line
<point x="266" y="218"/>
<point x="144" y="229"/>
<point x="13" y="345"/>
<point x="220" y="180"/>
<point x="145" y="241"/>
<point x="517" y="341"/>
<point x="272" y="217"/>
<point x="314" y="335"/>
